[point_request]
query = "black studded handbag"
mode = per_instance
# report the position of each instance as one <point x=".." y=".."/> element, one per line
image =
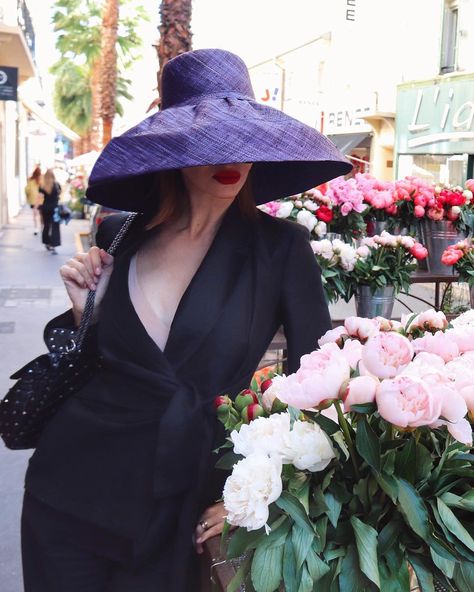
<point x="45" y="382"/>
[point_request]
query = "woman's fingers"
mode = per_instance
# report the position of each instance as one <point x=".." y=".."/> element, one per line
<point x="82" y="269"/>
<point x="71" y="274"/>
<point x="96" y="261"/>
<point x="210" y="524"/>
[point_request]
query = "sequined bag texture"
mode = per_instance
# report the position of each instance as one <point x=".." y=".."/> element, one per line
<point x="47" y="381"/>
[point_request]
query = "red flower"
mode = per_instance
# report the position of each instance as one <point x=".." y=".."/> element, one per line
<point x="451" y="256"/>
<point x="324" y="213"/>
<point x="419" y="251"/>
<point x="251" y="412"/>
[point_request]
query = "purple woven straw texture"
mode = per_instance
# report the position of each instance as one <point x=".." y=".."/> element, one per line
<point x="210" y="117"/>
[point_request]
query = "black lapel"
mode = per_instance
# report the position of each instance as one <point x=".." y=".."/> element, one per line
<point x="210" y="288"/>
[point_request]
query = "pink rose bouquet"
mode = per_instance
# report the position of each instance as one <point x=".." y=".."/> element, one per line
<point x="461" y="257"/>
<point x="357" y="471"/>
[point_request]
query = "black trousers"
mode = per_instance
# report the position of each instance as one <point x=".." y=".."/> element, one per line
<point x="63" y="554"/>
<point x="51" y="235"/>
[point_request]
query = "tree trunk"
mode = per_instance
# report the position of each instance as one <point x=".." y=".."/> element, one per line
<point x="175" y="32"/>
<point x="95" y="130"/>
<point x="110" y="18"/>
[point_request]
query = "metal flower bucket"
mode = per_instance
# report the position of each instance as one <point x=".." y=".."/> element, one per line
<point x="437" y="236"/>
<point x="377" y="304"/>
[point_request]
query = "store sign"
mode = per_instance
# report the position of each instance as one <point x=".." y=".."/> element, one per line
<point x="8" y="83"/>
<point x="436" y="117"/>
<point x="346" y="120"/>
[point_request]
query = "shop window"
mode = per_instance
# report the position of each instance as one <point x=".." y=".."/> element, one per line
<point x="435" y="168"/>
<point x="449" y="41"/>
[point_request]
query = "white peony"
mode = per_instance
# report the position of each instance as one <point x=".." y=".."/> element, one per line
<point x="254" y="484"/>
<point x="306" y="218"/>
<point x="264" y="435"/>
<point x="285" y="209"/>
<point x="348" y="257"/>
<point x="309" y="447"/>
<point x="310" y="205"/>
<point x="323" y="248"/>
<point x="320" y="229"/>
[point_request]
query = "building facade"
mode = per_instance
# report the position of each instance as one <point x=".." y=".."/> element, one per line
<point x="353" y="80"/>
<point x="16" y="67"/>
<point x="435" y="108"/>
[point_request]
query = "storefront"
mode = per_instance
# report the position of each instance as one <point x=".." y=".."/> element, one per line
<point x="435" y="129"/>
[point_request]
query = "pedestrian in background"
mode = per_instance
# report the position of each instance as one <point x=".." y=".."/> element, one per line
<point x="51" y="191"/>
<point x="33" y="197"/>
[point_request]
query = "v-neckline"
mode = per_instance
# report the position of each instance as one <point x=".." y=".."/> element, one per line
<point x="185" y="294"/>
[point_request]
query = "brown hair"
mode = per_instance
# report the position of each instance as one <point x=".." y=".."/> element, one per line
<point x="36" y="174"/>
<point x="49" y="180"/>
<point x="174" y="198"/>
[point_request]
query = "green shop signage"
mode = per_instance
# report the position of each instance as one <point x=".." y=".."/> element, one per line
<point x="436" y="116"/>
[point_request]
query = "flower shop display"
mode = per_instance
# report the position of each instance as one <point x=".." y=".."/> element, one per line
<point x="442" y="213"/>
<point x="375" y="272"/>
<point x="310" y="209"/>
<point x="379" y="196"/>
<point x="355" y="471"/>
<point x="77" y="189"/>
<point x="460" y="257"/>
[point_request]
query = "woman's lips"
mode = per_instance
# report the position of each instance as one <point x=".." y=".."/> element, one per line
<point x="227" y="177"/>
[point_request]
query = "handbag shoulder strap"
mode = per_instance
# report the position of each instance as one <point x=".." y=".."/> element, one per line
<point x="89" y="307"/>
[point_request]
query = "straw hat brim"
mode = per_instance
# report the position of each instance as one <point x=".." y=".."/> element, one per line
<point x="289" y="156"/>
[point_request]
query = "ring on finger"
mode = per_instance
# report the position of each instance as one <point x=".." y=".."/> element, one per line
<point x="204" y="524"/>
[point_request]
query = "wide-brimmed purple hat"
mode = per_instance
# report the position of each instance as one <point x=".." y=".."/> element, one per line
<point x="209" y="116"/>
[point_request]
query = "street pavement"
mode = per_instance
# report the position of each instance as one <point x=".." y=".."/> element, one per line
<point x="31" y="293"/>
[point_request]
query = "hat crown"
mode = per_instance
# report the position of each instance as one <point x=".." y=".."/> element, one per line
<point x="196" y="74"/>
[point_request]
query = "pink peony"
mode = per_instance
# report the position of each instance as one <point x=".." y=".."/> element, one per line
<point x="463" y="337"/>
<point x="352" y="351"/>
<point x="386" y="354"/>
<point x="333" y="336"/>
<point x="320" y="378"/>
<point x="429" y="320"/>
<point x="441" y="344"/>
<point x="435" y="213"/>
<point x="419" y="211"/>
<point x="419" y="251"/>
<point x="405" y="401"/>
<point x="360" y="390"/>
<point x="451" y="256"/>
<point x="361" y="328"/>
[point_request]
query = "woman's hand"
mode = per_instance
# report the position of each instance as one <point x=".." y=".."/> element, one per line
<point x="84" y="272"/>
<point x="210" y="524"/>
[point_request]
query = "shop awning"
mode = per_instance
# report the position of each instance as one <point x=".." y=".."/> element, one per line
<point x="47" y="117"/>
<point x="14" y="52"/>
<point x="346" y="142"/>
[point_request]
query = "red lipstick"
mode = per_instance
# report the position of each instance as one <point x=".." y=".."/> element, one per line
<point x="227" y="177"/>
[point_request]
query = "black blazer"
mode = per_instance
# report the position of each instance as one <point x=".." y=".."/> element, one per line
<point x="102" y="463"/>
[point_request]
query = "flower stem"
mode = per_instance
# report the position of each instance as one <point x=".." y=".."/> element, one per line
<point x="347" y="436"/>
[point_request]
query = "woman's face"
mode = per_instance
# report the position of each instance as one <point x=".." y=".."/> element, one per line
<point x="223" y="181"/>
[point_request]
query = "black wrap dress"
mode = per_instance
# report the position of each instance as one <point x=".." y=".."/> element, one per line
<point x="132" y="451"/>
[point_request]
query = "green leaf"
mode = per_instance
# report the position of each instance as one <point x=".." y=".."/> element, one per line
<point x="316" y="566"/>
<point x="422" y="572"/>
<point x="267" y="568"/>
<point x="444" y="565"/>
<point x="406" y="461"/>
<point x="364" y="408"/>
<point x="368" y="444"/>
<point x="389" y="484"/>
<point x="280" y="529"/>
<point x="328" y="425"/>
<point x="366" y="542"/>
<point x="243" y="540"/>
<point x="393" y="579"/>
<point x="302" y="541"/>
<point x="454" y="525"/>
<point x="351" y="579"/>
<point x="289" y="567"/>
<point x="388" y="536"/>
<point x="228" y="460"/>
<point x="239" y="577"/>
<point x="318" y="505"/>
<point x="306" y="583"/>
<point x="464" y="576"/>
<point x="424" y="463"/>
<point x="413" y="508"/>
<point x="319" y="542"/>
<point x="465" y="502"/>
<point x="334" y="508"/>
<point x="289" y="504"/>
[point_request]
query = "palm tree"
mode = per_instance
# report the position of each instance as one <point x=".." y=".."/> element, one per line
<point x="79" y="27"/>
<point x="109" y="67"/>
<point x="175" y="34"/>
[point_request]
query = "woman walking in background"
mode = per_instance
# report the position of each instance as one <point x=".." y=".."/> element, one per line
<point x="50" y="190"/>
<point x="33" y="196"/>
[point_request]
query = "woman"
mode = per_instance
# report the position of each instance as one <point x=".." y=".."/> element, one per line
<point x="32" y="194"/>
<point x="51" y="191"/>
<point x="123" y="479"/>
